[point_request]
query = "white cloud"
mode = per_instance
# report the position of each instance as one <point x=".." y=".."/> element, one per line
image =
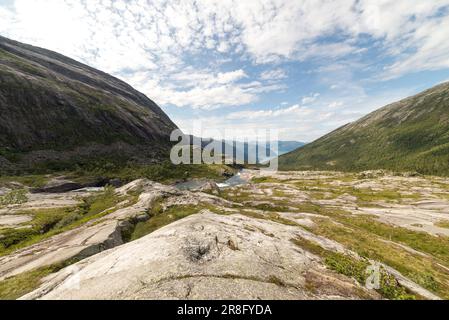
<point x="429" y="52"/>
<point x="120" y="31"/>
<point x="276" y="74"/>
<point x="335" y="104"/>
<point x="291" y="123"/>
<point x="190" y="77"/>
<point x="155" y="45"/>
<point x="295" y="122"/>
<point x="200" y="89"/>
<point x="294" y="110"/>
<point x="310" y="98"/>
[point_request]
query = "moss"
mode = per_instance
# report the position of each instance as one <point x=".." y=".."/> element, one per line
<point x="17" y="286"/>
<point x="33" y="181"/>
<point x="97" y="203"/>
<point x="160" y="217"/>
<point x="164" y="172"/>
<point x="272" y="216"/>
<point x="236" y="195"/>
<point x="443" y="224"/>
<point x="14" y="197"/>
<point x="275" y="280"/>
<point x="22" y="64"/>
<point x="265" y="180"/>
<point x="368" y="195"/>
<point x="356" y="269"/>
<point x="421" y="241"/>
<point x="43" y="221"/>
<point x="270" y="207"/>
<point x="49" y="222"/>
<point x="422" y="270"/>
<point x="347" y="266"/>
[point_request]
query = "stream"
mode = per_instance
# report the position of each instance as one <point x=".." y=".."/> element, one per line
<point x="240" y="178"/>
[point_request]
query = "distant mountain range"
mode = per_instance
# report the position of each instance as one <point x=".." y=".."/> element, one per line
<point x="243" y="149"/>
<point x="55" y="109"/>
<point x="287" y="146"/>
<point x="409" y="135"/>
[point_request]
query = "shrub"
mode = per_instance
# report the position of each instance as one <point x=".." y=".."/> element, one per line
<point x="14" y="197"/>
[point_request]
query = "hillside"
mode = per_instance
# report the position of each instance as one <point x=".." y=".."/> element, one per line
<point x="56" y="109"/>
<point x="409" y="135"/>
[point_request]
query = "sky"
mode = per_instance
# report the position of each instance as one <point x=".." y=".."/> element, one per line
<point x="301" y="68"/>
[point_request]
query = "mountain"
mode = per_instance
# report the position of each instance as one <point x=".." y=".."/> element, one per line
<point x="56" y="109"/>
<point x="244" y="149"/>
<point x="409" y="135"/>
<point x="287" y="146"/>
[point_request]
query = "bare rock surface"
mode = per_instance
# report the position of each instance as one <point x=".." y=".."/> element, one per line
<point x="12" y="220"/>
<point x="58" y="185"/>
<point x="413" y="217"/>
<point x="86" y="240"/>
<point x="237" y="242"/>
<point x="204" y="256"/>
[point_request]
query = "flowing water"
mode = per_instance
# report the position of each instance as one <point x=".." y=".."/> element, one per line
<point x="236" y="180"/>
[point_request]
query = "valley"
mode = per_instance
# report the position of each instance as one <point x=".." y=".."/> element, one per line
<point x="286" y="235"/>
<point x="92" y="207"/>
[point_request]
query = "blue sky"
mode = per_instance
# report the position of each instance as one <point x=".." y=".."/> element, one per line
<point x="303" y="68"/>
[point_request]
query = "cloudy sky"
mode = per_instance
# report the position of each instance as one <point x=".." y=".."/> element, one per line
<point x="303" y="67"/>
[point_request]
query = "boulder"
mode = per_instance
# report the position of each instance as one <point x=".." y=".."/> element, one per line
<point x="209" y="187"/>
<point x="58" y="185"/>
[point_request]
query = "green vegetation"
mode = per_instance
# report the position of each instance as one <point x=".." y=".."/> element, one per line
<point x="165" y="172"/>
<point x="88" y="172"/>
<point x="266" y="180"/>
<point x="443" y="224"/>
<point x="268" y="216"/>
<point x="420" y="241"/>
<point x="356" y="269"/>
<point x="160" y="217"/>
<point x="13" y="197"/>
<point x="33" y="181"/>
<point x="75" y="121"/>
<point x="17" y="286"/>
<point x="411" y="135"/>
<point x="371" y="238"/>
<point x="325" y="190"/>
<point x="358" y="235"/>
<point x="48" y="222"/>
<point x="363" y="234"/>
<point x="48" y="90"/>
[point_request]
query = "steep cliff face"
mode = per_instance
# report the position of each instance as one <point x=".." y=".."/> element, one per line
<point x="52" y="105"/>
<point x="412" y="134"/>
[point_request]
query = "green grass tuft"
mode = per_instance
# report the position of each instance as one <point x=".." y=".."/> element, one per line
<point x="160" y="217"/>
<point x="17" y="286"/>
<point x="356" y="269"/>
<point x="49" y="222"/>
<point x="14" y="197"/>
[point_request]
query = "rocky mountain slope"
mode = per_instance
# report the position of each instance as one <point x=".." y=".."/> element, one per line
<point x="410" y="135"/>
<point x="54" y="108"/>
